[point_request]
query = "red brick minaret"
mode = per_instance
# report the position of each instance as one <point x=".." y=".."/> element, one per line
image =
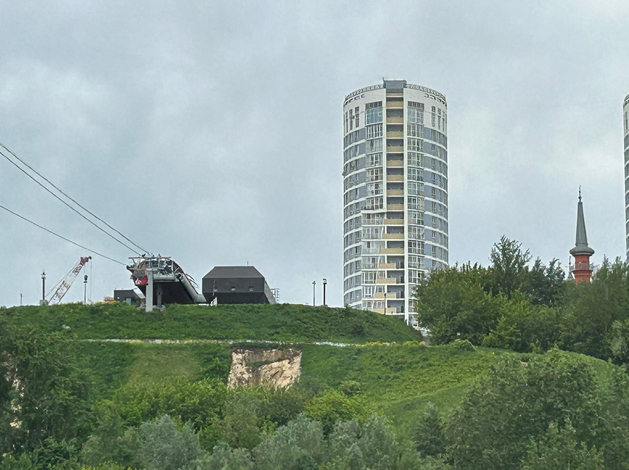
<point x="582" y="269"/>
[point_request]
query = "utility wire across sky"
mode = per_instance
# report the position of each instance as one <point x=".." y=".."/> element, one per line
<point x="61" y="236"/>
<point x="71" y="199"/>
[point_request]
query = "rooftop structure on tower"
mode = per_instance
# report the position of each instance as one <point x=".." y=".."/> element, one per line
<point x="582" y="269"/>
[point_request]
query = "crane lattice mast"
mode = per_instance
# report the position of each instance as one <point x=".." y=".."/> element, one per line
<point x="67" y="282"/>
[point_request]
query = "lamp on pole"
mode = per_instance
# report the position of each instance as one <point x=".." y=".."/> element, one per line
<point x="385" y="300"/>
<point x="314" y="283"/>
<point x="325" y="283"/>
<point x="43" y="288"/>
<point x="85" y="290"/>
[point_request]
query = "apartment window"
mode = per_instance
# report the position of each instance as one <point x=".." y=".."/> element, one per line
<point x="375" y="159"/>
<point x="357" y="116"/>
<point x="433" y="119"/>
<point x="373" y="247"/>
<point x="374" y="131"/>
<point x="414" y="159"/>
<point x="415" y="130"/>
<point x="412" y="276"/>
<point x="415" y="232"/>
<point x="374" y="189"/>
<point x="416" y="203"/>
<point x="372" y="262"/>
<point x="351" y="119"/>
<point x="374" y="203"/>
<point x="415" y="115"/>
<point x="373" y="112"/>
<point x="369" y="277"/>
<point x="374" y="145"/>
<point x="368" y="292"/>
<point x="416" y="247"/>
<point x="414" y="261"/>
<point x="414" y="145"/>
<point x="374" y="174"/>
<point x="372" y="219"/>
<point x="372" y="233"/>
<point x="415" y="174"/>
<point x="416" y="217"/>
<point x="415" y="189"/>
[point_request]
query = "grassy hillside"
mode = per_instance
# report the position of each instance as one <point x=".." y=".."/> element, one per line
<point x="396" y="380"/>
<point x="282" y="322"/>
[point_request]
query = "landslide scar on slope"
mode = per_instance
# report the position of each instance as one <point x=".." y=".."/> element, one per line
<point x="278" y="368"/>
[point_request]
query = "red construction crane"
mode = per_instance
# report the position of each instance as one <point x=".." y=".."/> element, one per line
<point x="66" y="283"/>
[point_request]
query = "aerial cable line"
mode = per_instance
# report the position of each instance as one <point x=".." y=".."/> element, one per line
<point x="60" y="236"/>
<point x="64" y="202"/>
<point x="71" y="199"/>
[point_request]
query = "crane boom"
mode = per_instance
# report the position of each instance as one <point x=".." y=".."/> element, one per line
<point x="67" y="282"/>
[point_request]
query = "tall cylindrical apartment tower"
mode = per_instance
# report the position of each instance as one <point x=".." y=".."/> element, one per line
<point x="626" y="147"/>
<point x="395" y="207"/>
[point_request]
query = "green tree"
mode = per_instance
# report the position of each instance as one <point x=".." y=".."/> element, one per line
<point x="44" y="391"/>
<point x="593" y="309"/>
<point x="508" y="268"/>
<point x="453" y="304"/>
<point x="524" y="327"/>
<point x="240" y="424"/>
<point x="163" y="447"/>
<point x="17" y="462"/>
<point x="429" y="438"/>
<point x="199" y="403"/>
<point x="560" y="449"/>
<point x="297" y="446"/>
<point x="224" y="457"/>
<point x="497" y="419"/>
<point x="111" y="440"/>
<point x="545" y="284"/>
<point x="330" y="406"/>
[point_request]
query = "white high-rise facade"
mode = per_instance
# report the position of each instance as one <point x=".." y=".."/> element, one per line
<point x="395" y="210"/>
<point x="626" y="147"/>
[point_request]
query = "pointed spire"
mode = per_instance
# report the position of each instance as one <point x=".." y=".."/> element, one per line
<point x="581" y="246"/>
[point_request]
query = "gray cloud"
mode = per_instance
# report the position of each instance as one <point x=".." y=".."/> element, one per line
<point x="212" y="131"/>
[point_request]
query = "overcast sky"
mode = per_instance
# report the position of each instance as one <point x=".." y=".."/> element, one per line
<point x="211" y="131"/>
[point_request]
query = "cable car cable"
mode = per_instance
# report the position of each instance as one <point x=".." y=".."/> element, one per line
<point x="64" y="202"/>
<point x="73" y="200"/>
<point x="60" y="236"/>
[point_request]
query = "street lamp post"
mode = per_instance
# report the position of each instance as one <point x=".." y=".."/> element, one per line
<point x="385" y="300"/>
<point x="85" y="290"/>
<point x="325" y="283"/>
<point x="43" y="288"/>
<point x="314" y="284"/>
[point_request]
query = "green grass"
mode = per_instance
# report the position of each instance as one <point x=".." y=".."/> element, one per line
<point x="399" y="380"/>
<point x="396" y="380"/>
<point x="282" y="322"/>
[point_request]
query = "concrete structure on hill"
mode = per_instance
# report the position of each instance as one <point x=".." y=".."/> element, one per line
<point x="395" y="178"/>
<point x="582" y="268"/>
<point x="236" y="285"/>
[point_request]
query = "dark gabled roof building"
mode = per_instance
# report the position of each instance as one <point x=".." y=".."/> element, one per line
<point x="236" y="285"/>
